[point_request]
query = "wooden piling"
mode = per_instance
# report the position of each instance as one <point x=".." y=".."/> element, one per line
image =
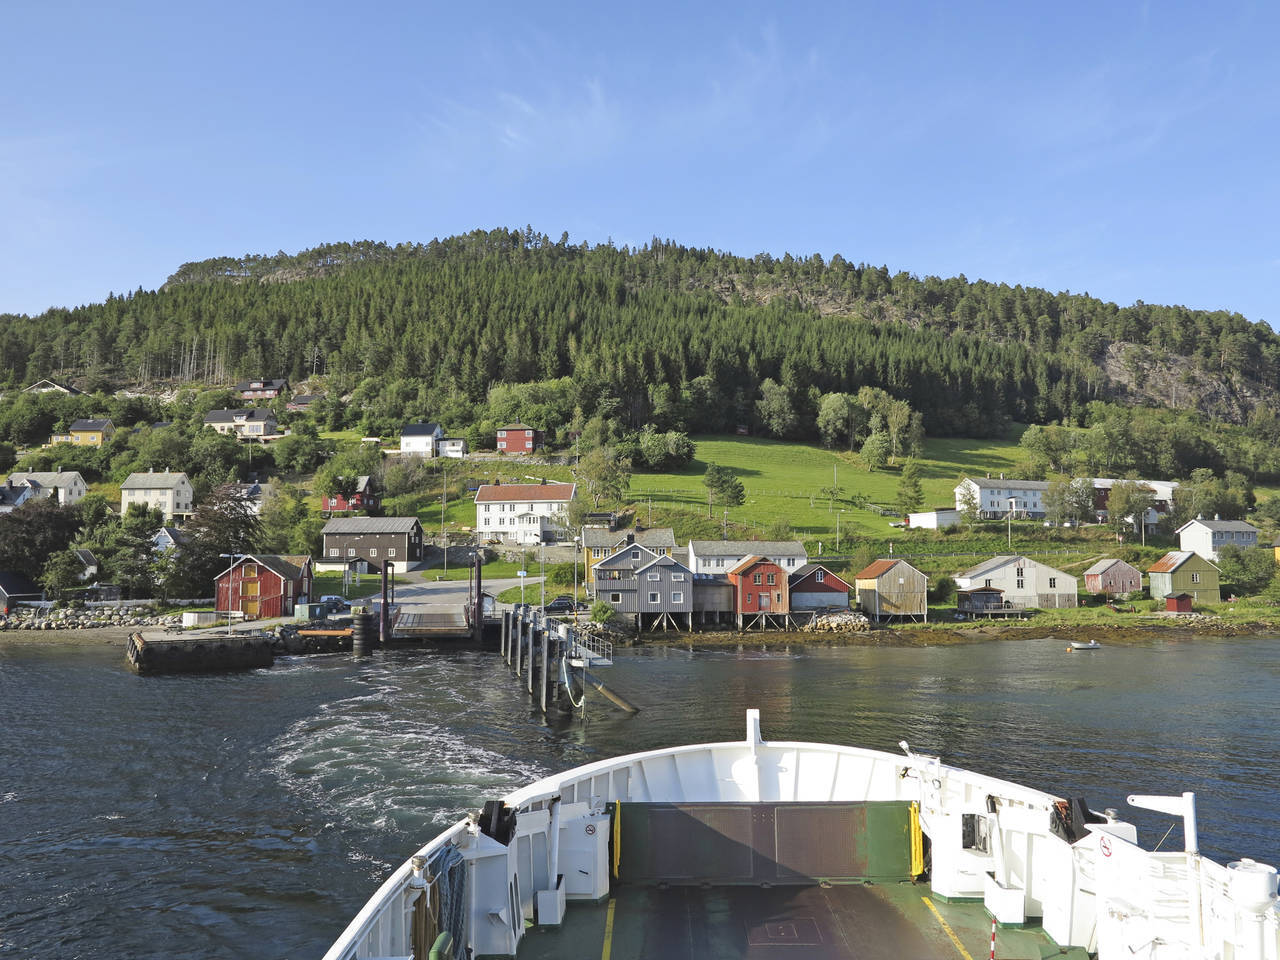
<point x="532" y="636"/>
<point x="546" y="657"/>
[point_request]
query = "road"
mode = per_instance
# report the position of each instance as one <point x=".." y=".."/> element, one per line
<point x="453" y="593"/>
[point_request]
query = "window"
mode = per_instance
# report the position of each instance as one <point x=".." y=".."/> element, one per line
<point x="597" y="552"/>
<point x="635" y="554"/>
<point x="1020" y="583"/>
<point x="677" y="576"/>
<point x="1053" y="583"/>
<point x="777" y="597"/>
<point x="486" y="508"/>
<point x="1195" y="578"/>
<point x="772" y="579"/>
<point x="986" y="583"/>
<point x="791" y="561"/>
<point x="373" y="551"/>
<point x="615" y="598"/>
<point x="528" y="433"/>
<point x="756" y="579"/>
<point x="391" y="551"/>
<point x="653" y="598"/>
<point x="720" y="562"/>
<point x="654" y="575"/>
<point x="1019" y="572"/>
<point x="249" y="570"/>
<point x="351" y="551"/>
<point x="333" y="551"/>
<point x="502" y="444"/>
<point x="677" y="597"/>
<point x="819" y="575"/>
<point x="749" y="597"/>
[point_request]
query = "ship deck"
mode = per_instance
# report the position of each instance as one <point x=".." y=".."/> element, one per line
<point x="854" y="922"/>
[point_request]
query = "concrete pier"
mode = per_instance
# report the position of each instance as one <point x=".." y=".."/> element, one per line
<point x="540" y="650"/>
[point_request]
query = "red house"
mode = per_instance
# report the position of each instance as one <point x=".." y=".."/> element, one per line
<point x="814" y="587"/>
<point x="759" y="587"/>
<point x="366" y="497"/>
<point x="519" y="438"/>
<point x="263" y="585"/>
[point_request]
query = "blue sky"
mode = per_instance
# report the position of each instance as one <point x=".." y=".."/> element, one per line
<point x="1131" y="150"/>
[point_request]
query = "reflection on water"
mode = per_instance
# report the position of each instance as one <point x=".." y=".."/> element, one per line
<point x="262" y="809"/>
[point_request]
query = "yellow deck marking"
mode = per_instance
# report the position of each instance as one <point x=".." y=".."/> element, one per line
<point x="945" y="926"/>
<point x="607" y="949"/>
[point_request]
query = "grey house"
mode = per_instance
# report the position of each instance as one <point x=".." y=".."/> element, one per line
<point x="373" y="541"/>
<point x="653" y="589"/>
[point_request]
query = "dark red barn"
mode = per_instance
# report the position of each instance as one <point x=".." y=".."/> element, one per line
<point x="263" y="585"/>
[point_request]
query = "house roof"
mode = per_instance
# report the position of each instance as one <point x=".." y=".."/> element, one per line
<point x="48" y="478"/>
<point x="529" y="492"/>
<point x="17" y="584"/>
<point x="152" y="480"/>
<point x="811" y="568"/>
<point x="516" y="426"/>
<point x="995" y="563"/>
<point x="983" y="482"/>
<point x="738" y="548"/>
<point x="371" y="525"/>
<point x="876" y="569"/>
<point x="261" y="384"/>
<point x="1220" y="526"/>
<point x="1172" y="560"/>
<point x="749" y="562"/>
<point x="662" y="561"/>
<point x="652" y="537"/>
<point x="302" y="399"/>
<point x="288" y="566"/>
<point x="11" y="494"/>
<point x="421" y="430"/>
<point x="92" y="425"/>
<point x="87" y="558"/>
<point x="173" y="533"/>
<point x="1102" y="566"/>
<point x="234" y="416"/>
<point x="622" y="556"/>
<point x="42" y="385"/>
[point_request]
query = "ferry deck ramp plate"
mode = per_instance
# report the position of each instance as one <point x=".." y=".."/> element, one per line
<point x="838" y="922"/>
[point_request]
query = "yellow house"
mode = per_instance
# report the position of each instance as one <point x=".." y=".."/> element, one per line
<point x="86" y="433"/>
<point x="600" y="542"/>
<point x="1275" y="545"/>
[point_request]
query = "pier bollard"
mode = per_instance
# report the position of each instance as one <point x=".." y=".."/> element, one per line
<point x="506" y="630"/>
<point x="361" y="634"/>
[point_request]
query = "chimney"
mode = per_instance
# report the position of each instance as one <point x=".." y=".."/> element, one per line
<point x="631" y="538"/>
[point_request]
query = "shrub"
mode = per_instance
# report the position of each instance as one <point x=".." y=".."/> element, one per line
<point x="943" y="590"/>
<point x="601" y="612"/>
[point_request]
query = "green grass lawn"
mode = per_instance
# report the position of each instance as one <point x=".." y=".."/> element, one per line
<point x="784" y="481"/>
<point x="494" y="570"/>
<point x="330" y="584"/>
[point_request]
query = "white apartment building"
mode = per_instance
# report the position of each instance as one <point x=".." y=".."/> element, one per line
<point x="170" y="493"/>
<point x="995" y="498"/>
<point x="1207" y="537"/>
<point x="524" y="513"/>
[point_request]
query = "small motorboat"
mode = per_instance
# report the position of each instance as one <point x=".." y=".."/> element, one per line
<point x="1083" y="645"/>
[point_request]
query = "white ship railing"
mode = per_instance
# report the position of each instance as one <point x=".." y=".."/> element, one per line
<point x="1103" y="892"/>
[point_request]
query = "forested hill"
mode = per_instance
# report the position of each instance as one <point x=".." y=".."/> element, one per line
<point x="438" y="323"/>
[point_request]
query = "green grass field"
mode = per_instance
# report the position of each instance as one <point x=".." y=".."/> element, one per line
<point x="783" y="481"/>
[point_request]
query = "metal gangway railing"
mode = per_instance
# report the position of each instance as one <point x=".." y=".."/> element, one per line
<point x="588" y="651"/>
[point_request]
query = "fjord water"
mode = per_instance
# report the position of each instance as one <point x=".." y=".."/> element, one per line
<point x="252" y="815"/>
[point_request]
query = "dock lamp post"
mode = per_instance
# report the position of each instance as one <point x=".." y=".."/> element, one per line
<point x="521" y="573"/>
<point x="576" y="541"/>
<point x="542" y="586"/>
<point x="231" y="586"/>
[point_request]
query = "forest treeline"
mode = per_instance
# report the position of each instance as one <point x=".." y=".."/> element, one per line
<point x="416" y="329"/>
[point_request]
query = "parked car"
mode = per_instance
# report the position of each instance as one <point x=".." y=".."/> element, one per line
<point x="333" y="603"/>
<point x="564" y="604"/>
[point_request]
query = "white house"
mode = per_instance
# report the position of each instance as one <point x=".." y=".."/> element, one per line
<point x="1207" y="537"/>
<point x="1025" y="583"/>
<point x="995" y="498"/>
<point x="455" y="447"/>
<point x="938" y="519"/>
<point x="420" y="438"/>
<point x="253" y="423"/>
<point x="721" y="556"/>
<point x="170" y="493"/>
<point x="526" y="513"/>
<point x="66" y="486"/>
